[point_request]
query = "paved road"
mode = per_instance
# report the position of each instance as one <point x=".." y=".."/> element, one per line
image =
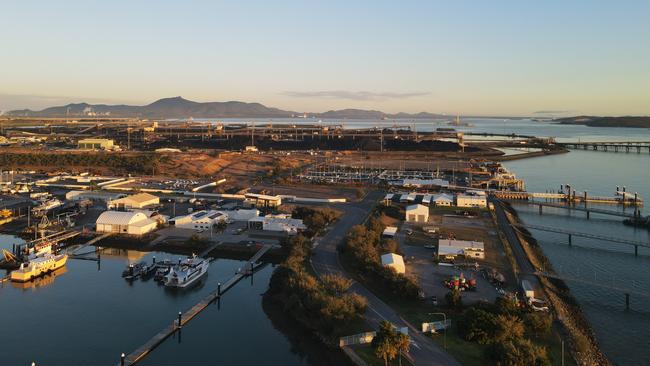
<point x="521" y="258"/>
<point x="326" y="261"/>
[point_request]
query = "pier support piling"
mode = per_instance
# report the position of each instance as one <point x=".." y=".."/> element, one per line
<point x="540" y="209"/>
<point x="627" y="301"/>
<point x="179" y="319"/>
<point x="219" y="288"/>
<point x="122" y="357"/>
<point x="570" y="241"/>
<point x="636" y="250"/>
<point x="587" y="215"/>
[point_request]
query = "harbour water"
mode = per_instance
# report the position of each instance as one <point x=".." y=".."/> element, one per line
<point x="87" y="315"/>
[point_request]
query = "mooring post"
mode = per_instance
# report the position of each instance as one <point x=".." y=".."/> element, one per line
<point x="569" y="239"/>
<point x="122" y="359"/>
<point x="179" y="319"/>
<point x="154" y="259"/>
<point x="219" y="289"/>
<point x="587" y="215"/>
<point x="636" y="250"/>
<point x="540" y="209"/>
<point x="627" y="301"/>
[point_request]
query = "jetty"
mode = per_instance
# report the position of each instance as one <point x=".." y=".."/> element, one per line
<point x="184" y="318"/>
<point x="571" y="234"/>
<point x="615" y="146"/>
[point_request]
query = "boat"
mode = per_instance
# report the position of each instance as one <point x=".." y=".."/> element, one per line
<point x="38" y="266"/>
<point x="46" y="206"/>
<point x="186" y="273"/>
<point x="133" y="270"/>
<point x="148" y="270"/>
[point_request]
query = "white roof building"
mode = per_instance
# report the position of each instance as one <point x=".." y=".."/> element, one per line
<point x="121" y="222"/>
<point x="450" y="249"/>
<point x="417" y="213"/>
<point x="199" y="220"/>
<point x="390" y="231"/>
<point x="394" y="261"/>
<point x="443" y="199"/>
<point x="262" y="200"/>
<point x="140" y="200"/>
<point x="464" y="200"/>
<point x="277" y="223"/>
<point x="426" y="199"/>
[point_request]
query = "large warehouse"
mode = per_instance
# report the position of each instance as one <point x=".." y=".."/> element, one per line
<point x="119" y="222"/>
<point x="417" y="213"/>
<point x="140" y="200"/>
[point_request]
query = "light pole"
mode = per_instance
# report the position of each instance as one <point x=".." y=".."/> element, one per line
<point x="444" y="316"/>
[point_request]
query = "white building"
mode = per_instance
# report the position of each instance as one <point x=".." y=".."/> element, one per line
<point x="464" y="200"/>
<point x="262" y="200"/>
<point x="450" y="249"/>
<point x="417" y="213"/>
<point x="443" y="199"/>
<point x="242" y="214"/>
<point x="200" y="220"/>
<point x="389" y="231"/>
<point x="394" y="261"/>
<point x="277" y="223"/>
<point x="426" y="199"/>
<point x="96" y="144"/>
<point x="140" y="200"/>
<point x="92" y="195"/>
<point x="120" y="222"/>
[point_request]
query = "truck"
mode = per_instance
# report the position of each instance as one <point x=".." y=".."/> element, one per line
<point x="529" y="292"/>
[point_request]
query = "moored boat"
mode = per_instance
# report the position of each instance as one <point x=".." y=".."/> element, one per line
<point x="187" y="272"/>
<point x="38" y="266"/>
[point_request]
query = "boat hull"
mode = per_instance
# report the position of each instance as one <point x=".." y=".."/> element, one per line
<point x="33" y="271"/>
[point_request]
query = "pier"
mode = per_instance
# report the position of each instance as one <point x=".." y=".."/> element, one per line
<point x="615" y="146"/>
<point x="588" y="210"/>
<point x="571" y="234"/>
<point x="184" y="318"/>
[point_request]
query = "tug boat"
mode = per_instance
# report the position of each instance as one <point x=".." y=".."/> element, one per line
<point x="38" y="266"/>
<point x="186" y="273"/>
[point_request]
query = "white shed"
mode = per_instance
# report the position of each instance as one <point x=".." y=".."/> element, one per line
<point x="417" y="213"/>
<point x="394" y="261"/>
<point x="140" y="200"/>
<point x="443" y="200"/>
<point x="463" y="200"/>
<point x="119" y="222"/>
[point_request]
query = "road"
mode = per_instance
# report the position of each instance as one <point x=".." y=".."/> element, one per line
<point x="523" y="263"/>
<point x="325" y="260"/>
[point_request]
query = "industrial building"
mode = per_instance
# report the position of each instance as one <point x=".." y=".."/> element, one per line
<point x="92" y="195"/>
<point x="394" y="261"/>
<point x="277" y="223"/>
<point x="96" y="144"/>
<point x="262" y="200"/>
<point x="450" y="249"/>
<point x="140" y="200"/>
<point x="417" y="213"/>
<point x="467" y="200"/>
<point x="442" y="199"/>
<point x="122" y="222"/>
<point x="389" y="232"/>
<point x="200" y="220"/>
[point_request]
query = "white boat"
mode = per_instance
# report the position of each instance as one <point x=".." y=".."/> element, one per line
<point x="187" y="272"/>
<point x="47" y="206"/>
<point x="38" y="266"/>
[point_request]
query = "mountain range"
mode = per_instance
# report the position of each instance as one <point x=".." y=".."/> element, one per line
<point x="179" y="107"/>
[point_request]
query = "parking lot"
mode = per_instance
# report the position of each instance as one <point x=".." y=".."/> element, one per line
<point x="419" y="262"/>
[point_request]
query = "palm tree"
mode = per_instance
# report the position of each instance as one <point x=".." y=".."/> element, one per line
<point x="402" y="343"/>
<point x="386" y="350"/>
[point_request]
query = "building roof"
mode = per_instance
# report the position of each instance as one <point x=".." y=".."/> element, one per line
<point x="448" y="246"/>
<point x="141" y="197"/>
<point x="443" y="197"/>
<point x="120" y="217"/>
<point x="417" y="207"/>
<point x="390" y="230"/>
<point x="392" y="259"/>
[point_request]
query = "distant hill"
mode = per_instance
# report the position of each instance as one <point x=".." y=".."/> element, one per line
<point x="594" y="121"/>
<point x="179" y="107"/>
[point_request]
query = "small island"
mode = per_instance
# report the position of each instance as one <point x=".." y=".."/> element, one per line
<point x="593" y="121"/>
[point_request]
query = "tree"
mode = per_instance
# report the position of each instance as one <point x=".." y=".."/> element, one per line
<point x="538" y="323"/>
<point x="477" y="325"/>
<point x="508" y="327"/>
<point x="453" y="298"/>
<point x="384" y="342"/>
<point x="403" y="344"/>
<point x="335" y="284"/>
<point x="517" y="352"/>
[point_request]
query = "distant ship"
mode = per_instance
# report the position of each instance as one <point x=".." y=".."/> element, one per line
<point x="186" y="273"/>
<point x="38" y="266"/>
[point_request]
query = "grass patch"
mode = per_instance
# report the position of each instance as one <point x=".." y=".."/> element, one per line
<point x="367" y="354"/>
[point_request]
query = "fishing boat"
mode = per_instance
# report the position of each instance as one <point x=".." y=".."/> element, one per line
<point x="186" y="273"/>
<point x="38" y="266"/>
<point x="133" y="270"/>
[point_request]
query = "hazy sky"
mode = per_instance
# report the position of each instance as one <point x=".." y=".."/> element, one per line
<point x="467" y="57"/>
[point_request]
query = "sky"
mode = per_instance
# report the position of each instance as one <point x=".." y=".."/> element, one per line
<point x="482" y="57"/>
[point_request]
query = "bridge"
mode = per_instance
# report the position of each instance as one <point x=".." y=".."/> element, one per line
<point x="49" y="240"/>
<point x="184" y="318"/>
<point x="615" y="146"/>
<point x="571" y="234"/>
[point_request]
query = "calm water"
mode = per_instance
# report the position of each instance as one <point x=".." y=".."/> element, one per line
<point x="87" y="316"/>
<point x="623" y="335"/>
